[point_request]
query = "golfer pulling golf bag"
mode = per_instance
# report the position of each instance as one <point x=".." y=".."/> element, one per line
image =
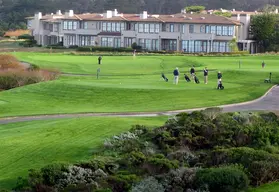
<point x="220" y="85"/>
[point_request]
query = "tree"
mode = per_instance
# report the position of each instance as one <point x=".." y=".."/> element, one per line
<point x="224" y="14"/>
<point x="268" y="8"/>
<point x="233" y="45"/>
<point x="195" y="9"/>
<point x="263" y="28"/>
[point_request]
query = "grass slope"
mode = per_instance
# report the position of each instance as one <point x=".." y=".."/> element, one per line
<point x="131" y="84"/>
<point x="34" y="144"/>
<point x="272" y="187"/>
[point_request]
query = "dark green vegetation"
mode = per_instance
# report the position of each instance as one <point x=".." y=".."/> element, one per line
<point x="13" y="12"/>
<point x="32" y="145"/>
<point x="204" y="151"/>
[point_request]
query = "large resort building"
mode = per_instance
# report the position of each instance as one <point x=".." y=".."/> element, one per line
<point x="186" y="32"/>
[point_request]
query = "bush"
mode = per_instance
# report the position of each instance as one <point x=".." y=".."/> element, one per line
<point x="121" y="182"/>
<point x="221" y="179"/>
<point x="51" y="174"/>
<point x="73" y="46"/>
<point x="159" y="165"/>
<point x="26" y="36"/>
<point x="149" y="184"/>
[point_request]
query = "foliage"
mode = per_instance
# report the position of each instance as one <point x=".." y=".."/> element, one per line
<point x="149" y="184"/>
<point x="195" y="8"/>
<point x="263" y="26"/>
<point x="233" y="45"/>
<point x="224" y="14"/>
<point x="224" y="179"/>
<point x="105" y="49"/>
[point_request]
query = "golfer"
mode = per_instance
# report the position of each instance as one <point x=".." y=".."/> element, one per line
<point x="99" y="60"/>
<point x="219" y="77"/>
<point x="176" y="76"/>
<point x="205" y="74"/>
<point x="192" y="72"/>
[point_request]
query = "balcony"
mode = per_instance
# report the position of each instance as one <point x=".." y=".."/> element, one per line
<point x="169" y="35"/>
<point x="128" y="33"/>
<point x="198" y="36"/>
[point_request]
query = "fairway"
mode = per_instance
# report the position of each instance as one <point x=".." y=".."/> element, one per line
<point x="130" y="84"/>
<point x="34" y="144"/>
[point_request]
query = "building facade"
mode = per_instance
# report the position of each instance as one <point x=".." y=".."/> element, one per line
<point x="177" y="32"/>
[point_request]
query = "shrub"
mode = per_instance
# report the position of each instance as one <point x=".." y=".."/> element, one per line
<point x="33" y="67"/>
<point x="8" y="62"/>
<point x="25" y="36"/>
<point x="77" y="175"/>
<point x="122" y="182"/>
<point x="149" y="184"/>
<point x="178" y="179"/>
<point x="159" y="165"/>
<point x="104" y="49"/>
<point x="221" y="179"/>
<point x="52" y="173"/>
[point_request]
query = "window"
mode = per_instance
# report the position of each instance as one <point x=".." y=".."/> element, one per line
<point x="222" y="47"/>
<point x="122" y="26"/>
<point x="155" y="44"/>
<point x="207" y="29"/>
<point x="228" y="47"/>
<point x="117" y="42"/>
<point x="74" y="25"/>
<point x="202" y="29"/>
<point x="231" y="31"/>
<point x="215" y="46"/>
<point x="140" y="28"/>
<point x="213" y="29"/>
<point x="148" y="44"/>
<point x="225" y="31"/>
<point x="128" y="41"/>
<point x="70" y="25"/>
<point x="141" y="43"/>
<point x="173" y="45"/>
<point x="85" y="40"/>
<point x="107" y="42"/>
<point x="65" y="25"/>
<point x="191" y="46"/>
<point x="146" y="28"/>
<point x="85" y="25"/>
<point x="104" y="26"/>
<point x="151" y="28"/>
<point x="55" y="27"/>
<point x="191" y="28"/>
<point x="109" y="27"/>
<point x="183" y="28"/>
<point x="113" y="27"/>
<point x="71" y="40"/>
<point x="118" y="27"/>
<point x="198" y="46"/>
<point x="157" y="28"/>
<point x="184" y="46"/>
<point x="171" y="28"/>
<point x="219" y="30"/>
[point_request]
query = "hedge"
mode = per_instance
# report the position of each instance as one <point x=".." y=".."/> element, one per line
<point x="105" y="49"/>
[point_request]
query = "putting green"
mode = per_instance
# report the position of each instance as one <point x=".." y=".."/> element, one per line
<point x="130" y="84"/>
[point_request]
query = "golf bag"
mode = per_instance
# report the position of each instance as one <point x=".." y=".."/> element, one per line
<point x="164" y="77"/>
<point x="187" y="78"/>
<point x="196" y="80"/>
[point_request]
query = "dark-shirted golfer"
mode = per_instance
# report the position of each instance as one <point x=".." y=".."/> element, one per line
<point x="205" y="74"/>
<point x="99" y="60"/>
<point x="192" y="72"/>
<point x="176" y="76"/>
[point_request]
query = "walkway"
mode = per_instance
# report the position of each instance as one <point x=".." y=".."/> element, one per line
<point x="268" y="102"/>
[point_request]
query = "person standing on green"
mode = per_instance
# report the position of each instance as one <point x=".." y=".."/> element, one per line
<point x="99" y="60"/>
<point x="205" y="74"/>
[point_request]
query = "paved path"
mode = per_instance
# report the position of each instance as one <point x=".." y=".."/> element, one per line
<point x="268" y="102"/>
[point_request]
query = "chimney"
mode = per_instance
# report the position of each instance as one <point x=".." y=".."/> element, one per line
<point x="202" y="18"/>
<point x="238" y="17"/>
<point x="191" y="12"/>
<point x="276" y="11"/>
<point x="70" y="13"/>
<point x="58" y="12"/>
<point x="183" y="11"/>
<point x="38" y="16"/>
<point x="233" y="10"/>
<point x="115" y="13"/>
<point x="143" y="15"/>
<point x="108" y="14"/>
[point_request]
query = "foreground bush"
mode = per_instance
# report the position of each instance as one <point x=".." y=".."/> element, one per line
<point x="224" y="179"/>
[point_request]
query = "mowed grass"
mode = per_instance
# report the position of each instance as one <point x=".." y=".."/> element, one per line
<point x="130" y="84"/>
<point x="31" y="145"/>
<point x="272" y="187"/>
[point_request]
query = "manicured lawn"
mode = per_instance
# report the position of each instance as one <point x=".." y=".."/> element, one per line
<point x="35" y="144"/>
<point x="272" y="187"/>
<point x="130" y="85"/>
